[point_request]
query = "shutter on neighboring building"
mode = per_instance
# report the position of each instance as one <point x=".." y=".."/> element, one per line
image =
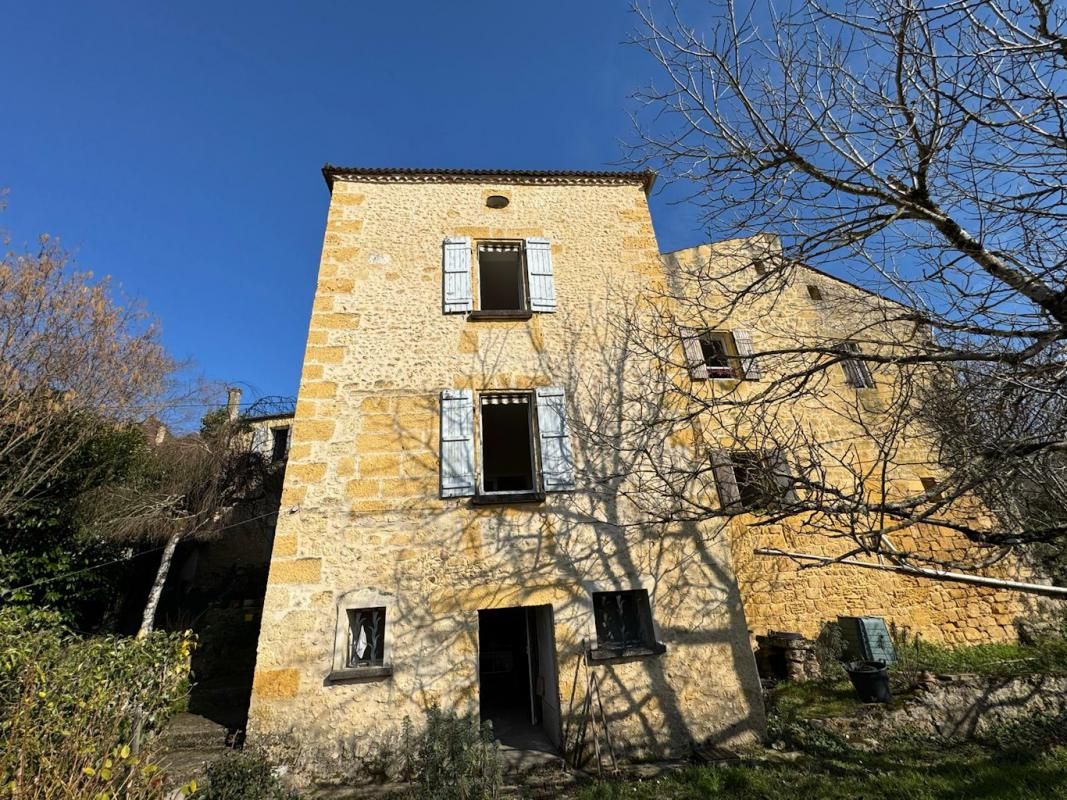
<point x="539" y="275"/>
<point x="557" y="460"/>
<point x="458" y="297"/>
<point x="749" y="367"/>
<point x="725" y="480"/>
<point x="457" y="443"/>
<point x="783" y="477"/>
<point x="694" y="356"/>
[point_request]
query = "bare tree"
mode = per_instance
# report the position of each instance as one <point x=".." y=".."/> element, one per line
<point x="71" y="358"/>
<point x="918" y="148"/>
<point x="192" y="486"/>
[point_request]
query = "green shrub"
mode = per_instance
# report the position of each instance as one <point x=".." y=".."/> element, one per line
<point x="452" y="758"/>
<point x="70" y="708"/>
<point x="242" y="776"/>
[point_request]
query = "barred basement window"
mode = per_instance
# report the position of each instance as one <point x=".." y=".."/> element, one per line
<point x="623" y="620"/>
<point x="366" y="637"/>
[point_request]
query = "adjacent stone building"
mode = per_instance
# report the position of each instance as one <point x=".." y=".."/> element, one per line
<point x="458" y="520"/>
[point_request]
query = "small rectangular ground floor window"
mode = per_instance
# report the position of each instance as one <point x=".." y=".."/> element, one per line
<point x="366" y="637"/>
<point x="623" y="620"/>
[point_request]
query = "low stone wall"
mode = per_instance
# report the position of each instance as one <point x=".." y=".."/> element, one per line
<point x="961" y="707"/>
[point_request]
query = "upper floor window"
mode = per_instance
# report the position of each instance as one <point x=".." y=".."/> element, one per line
<point x="501" y="277"/>
<point x="752" y="480"/>
<point x="509" y="278"/>
<point x="279" y="447"/>
<point x="857" y="372"/>
<point x="516" y="447"/>
<point x="713" y="355"/>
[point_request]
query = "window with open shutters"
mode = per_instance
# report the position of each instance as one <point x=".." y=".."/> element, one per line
<point x="505" y="446"/>
<point x="720" y="355"/>
<point x="499" y="278"/>
<point x="753" y="480"/>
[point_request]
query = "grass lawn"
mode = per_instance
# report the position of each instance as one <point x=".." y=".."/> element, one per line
<point x="918" y="773"/>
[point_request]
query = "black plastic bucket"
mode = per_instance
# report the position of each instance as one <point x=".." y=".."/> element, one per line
<point x="871" y="681"/>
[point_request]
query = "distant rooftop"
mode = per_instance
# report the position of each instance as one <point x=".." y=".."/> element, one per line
<point x="537" y="176"/>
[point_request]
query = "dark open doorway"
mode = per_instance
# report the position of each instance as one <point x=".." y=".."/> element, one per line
<point x="519" y="685"/>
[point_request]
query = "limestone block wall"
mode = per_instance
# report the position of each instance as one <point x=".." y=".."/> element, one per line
<point x="362" y="477"/>
<point x="778" y="593"/>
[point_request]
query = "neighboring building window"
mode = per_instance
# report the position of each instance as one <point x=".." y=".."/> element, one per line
<point x="623" y="620"/>
<point x="716" y="350"/>
<point x="857" y="373"/>
<point x="718" y="355"/>
<point x="814" y="292"/>
<point x="279" y="444"/>
<point x="366" y="637"/>
<point x="508" y="452"/>
<point x="750" y="480"/>
<point x="520" y="446"/>
<point x="760" y="266"/>
<point x="501" y="277"/>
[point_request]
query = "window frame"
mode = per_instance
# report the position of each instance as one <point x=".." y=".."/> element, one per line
<point x="537" y="492"/>
<point x="652" y="649"/>
<point x="477" y="312"/>
<point x="361" y="600"/>
<point x="274" y="457"/>
<point x="730" y="353"/>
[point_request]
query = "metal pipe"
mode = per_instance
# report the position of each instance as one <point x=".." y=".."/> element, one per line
<point x="921" y="572"/>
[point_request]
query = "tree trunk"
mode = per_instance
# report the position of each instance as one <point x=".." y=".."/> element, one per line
<point x="148" y="621"/>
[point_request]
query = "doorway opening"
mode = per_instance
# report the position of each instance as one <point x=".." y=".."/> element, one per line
<point x="518" y="678"/>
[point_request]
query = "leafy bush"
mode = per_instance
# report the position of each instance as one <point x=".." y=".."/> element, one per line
<point x="242" y="776"/>
<point x="70" y="707"/>
<point x="452" y="758"/>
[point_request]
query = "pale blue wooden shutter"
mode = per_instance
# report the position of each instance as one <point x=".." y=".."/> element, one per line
<point x="539" y="275"/>
<point x="557" y="460"/>
<point x="749" y="367"/>
<point x="457" y="443"/>
<point x="458" y="297"/>
<point x="694" y="355"/>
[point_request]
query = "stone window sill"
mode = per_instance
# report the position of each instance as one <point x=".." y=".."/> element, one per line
<point x="507" y="498"/>
<point x="474" y="316"/>
<point x="359" y="674"/>
<point x="616" y="655"/>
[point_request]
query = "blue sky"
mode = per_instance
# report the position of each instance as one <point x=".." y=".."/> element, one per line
<point x="177" y="146"/>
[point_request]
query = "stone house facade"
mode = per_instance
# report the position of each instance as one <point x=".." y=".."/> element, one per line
<point x="457" y="520"/>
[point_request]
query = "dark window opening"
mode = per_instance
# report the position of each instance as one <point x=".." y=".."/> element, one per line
<point x="623" y="620"/>
<point x="280" y="444"/>
<point x="814" y="292"/>
<point x="761" y="267"/>
<point x="755" y="479"/>
<point x="366" y="632"/>
<point x="501" y="278"/>
<point x="507" y="443"/>
<point x="857" y="372"/>
<point x="716" y="353"/>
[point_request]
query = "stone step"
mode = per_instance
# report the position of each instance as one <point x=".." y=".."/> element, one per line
<point x="192" y="732"/>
